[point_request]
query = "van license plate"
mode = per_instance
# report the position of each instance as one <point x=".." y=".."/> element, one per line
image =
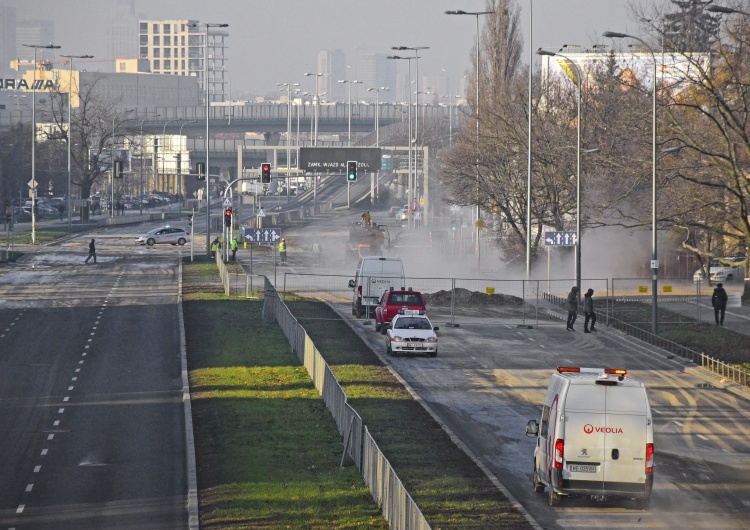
<point x="581" y="469"/>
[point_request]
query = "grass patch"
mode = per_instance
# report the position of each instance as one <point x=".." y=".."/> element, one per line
<point x="44" y="235"/>
<point x="268" y="451"/>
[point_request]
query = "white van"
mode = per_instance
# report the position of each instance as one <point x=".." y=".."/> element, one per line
<point x="595" y="437"/>
<point x="374" y="276"/>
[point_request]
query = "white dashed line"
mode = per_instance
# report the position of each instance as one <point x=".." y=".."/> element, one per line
<point x="37" y="469"/>
<point x="677" y="423"/>
<point x="56" y="423"/>
<point x="29" y="487"/>
<point x="20" y="508"/>
<point x="702" y="437"/>
<point x="60" y="410"/>
<point x="66" y="398"/>
<point x="50" y="437"/>
<point x="44" y="452"/>
<point x="70" y="388"/>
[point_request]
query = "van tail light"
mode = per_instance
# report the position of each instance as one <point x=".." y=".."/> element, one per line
<point x="649" y="458"/>
<point x="559" y="453"/>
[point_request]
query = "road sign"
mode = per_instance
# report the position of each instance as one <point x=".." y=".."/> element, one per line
<point x="33" y="184"/>
<point x="560" y="239"/>
<point x="261" y="213"/>
<point x="227" y="202"/>
<point x="261" y="235"/>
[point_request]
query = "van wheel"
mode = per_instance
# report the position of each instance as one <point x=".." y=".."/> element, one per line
<point x="378" y="326"/>
<point x="643" y="504"/>
<point x="554" y="498"/>
<point x="538" y="486"/>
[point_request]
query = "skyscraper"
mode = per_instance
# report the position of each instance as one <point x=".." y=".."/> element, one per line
<point x="123" y="30"/>
<point x="375" y="70"/>
<point x="33" y="31"/>
<point x="332" y="63"/>
<point x="7" y="38"/>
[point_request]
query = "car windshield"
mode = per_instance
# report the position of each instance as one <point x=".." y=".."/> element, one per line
<point x="412" y="323"/>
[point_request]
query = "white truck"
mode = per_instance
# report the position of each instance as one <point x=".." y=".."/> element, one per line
<point x="595" y="437"/>
<point x="375" y="275"/>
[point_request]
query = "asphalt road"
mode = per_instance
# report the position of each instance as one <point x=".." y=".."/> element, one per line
<point x="91" y="414"/>
<point x="490" y="378"/>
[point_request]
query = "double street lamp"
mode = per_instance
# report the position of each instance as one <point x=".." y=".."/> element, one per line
<point x="377" y="111"/>
<point x="70" y="128"/>
<point x="350" y="83"/>
<point x="33" y="183"/>
<point x="317" y="75"/>
<point x="654" y="260"/>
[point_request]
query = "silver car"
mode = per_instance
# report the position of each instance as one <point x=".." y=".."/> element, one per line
<point x="165" y="234"/>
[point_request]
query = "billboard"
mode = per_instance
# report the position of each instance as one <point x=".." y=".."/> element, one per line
<point x="333" y="159"/>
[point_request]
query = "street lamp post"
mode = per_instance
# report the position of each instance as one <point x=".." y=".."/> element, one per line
<point x="288" y="133"/>
<point x="164" y="155"/>
<point x="70" y="129"/>
<point x="450" y="117"/>
<point x="33" y="137"/>
<point x="179" y="170"/>
<point x="377" y="112"/>
<point x="349" y="133"/>
<point x="410" y="191"/>
<point x="579" y="77"/>
<point x="207" y="25"/>
<point x="112" y="166"/>
<point x="476" y="14"/>
<point x="140" y="197"/>
<point x="654" y="259"/>
<point x="315" y="108"/>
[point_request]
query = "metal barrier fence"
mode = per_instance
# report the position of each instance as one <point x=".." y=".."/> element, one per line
<point x="397" y="506"/>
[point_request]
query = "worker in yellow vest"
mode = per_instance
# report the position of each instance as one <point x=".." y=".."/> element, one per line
<point x="282" y="250"/>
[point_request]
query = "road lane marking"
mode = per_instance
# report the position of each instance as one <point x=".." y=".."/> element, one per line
<point x="702" y="437"/>
<point x="50" y="437"/>
<point x="20" y="508"/>
<point x="29" y="487"/>
<point x="37" y="469"/>
<point x="60" y="410"/>
<point x="70" y="388"/>
<point x="66" y="398"/>
<point x="44" y="452"/>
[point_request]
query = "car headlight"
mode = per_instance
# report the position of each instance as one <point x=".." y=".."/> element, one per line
<point x="398" y="339"/>
<point x="431" y="339"/>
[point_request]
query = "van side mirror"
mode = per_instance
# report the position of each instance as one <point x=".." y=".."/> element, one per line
<point x="532" y="429"/>
<point x="351" y="284"/>
<point x="436" y="328"/>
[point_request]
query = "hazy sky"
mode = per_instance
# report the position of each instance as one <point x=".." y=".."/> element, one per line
<point x="276" y="41"/>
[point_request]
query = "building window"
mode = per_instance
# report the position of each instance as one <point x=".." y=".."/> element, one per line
<point x="176" y="64"/>
<point x="155" y="28"/>
<point x="157" y="52"/>
<point x="157" y="64"/>
<point x="182" y="40"/>
<point x="182" y="53"/>
<point x="167" y="64"/>
<point x="156" y="41"/>
<point x="167" y="53"/>
<point x="144" y="27"/>
<point x="167" y="28"/>
<point x="183" y="64"/>
<point x="144" y="51"/>
<point x="122" y="67"/>
<point x="144" y="40"/>
<point x="167" y="40"/>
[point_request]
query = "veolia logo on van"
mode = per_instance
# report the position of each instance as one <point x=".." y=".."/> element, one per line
<point x="588" y="429"/>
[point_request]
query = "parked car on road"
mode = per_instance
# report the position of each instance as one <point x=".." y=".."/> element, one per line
<point x="394" y="301"/>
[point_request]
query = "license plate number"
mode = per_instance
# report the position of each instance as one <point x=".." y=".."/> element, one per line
<point x="413" y="345"/>
<point x="581" y="469"/>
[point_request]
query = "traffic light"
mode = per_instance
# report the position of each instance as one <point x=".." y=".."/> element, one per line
<point x="351" y="171"/>
<point x="228" y="217"/>
<point x="265" y="173"/>
<point x="117" y="170"/>
<point x="200" y="169"/>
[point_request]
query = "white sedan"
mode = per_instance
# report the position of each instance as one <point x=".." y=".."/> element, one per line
<point x="165" y="234"/>
<point x="411" y="332"/>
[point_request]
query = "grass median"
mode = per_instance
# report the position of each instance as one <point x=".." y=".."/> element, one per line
<point x="267" y="449"/>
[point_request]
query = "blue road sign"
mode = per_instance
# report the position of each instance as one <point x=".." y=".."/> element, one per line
<point x="560" y="239"/>
<point x="260" y="235"/>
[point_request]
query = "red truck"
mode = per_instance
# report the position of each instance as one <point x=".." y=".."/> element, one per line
<point x="392" y="301"/>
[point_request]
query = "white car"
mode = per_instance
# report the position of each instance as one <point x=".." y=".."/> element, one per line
<point x="411" y="332"/>
<point x="721" y="271"/>
<point x="165" y="234"/>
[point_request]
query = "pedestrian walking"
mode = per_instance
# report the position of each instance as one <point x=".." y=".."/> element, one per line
<point x="215" y="245"/>
<point x="92" y="252"/>
<point x="317" y="251"/>
<point x="719" y="301"/>
<point x="233" y="246"/>
<point x="282" y="250"/>
<point x="61" y="209"/>
<point x="571" y="303"/>
<point x="588" y="312"/>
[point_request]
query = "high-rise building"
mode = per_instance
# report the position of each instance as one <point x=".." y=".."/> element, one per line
<point x="123" y="30"/>
<point x="177" y="47"/>
<point x="32" y="31"/>
<point x="376" y="70"/>
<point x="332" y="63"/>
